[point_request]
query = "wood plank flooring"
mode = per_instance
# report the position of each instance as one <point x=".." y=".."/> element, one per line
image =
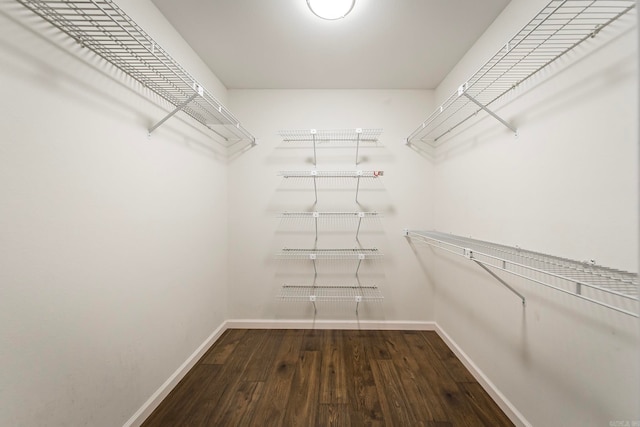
<point x="328" y="378"/>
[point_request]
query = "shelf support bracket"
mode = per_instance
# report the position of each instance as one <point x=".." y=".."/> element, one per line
<point x="360" y="258"/>
<point x="312" y="298"/>
<point x="495" y="276"/>
<point x="314" y="174"/>
<point x="359" y="174"/>
<point x="313" y="135"/>
<point x="360" y="216"/>
<point x="462" y="90"/>
<point x="313" y="257"/>
<point x="316" y="215"/>
<point x="199" y="91"/>
<point x="358" y="133"/>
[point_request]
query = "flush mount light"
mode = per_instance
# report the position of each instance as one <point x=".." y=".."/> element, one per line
<point x="331" y="9"/>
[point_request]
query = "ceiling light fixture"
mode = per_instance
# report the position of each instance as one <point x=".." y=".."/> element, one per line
<point x="331" y="9"/>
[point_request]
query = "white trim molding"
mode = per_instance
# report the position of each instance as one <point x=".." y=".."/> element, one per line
<point x="501" y="400"/>
<point x="156" y="398"/>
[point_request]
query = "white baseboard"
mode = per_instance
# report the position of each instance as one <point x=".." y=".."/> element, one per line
<point x="156" y="398"/>
<point x="331" y="324"/>
<point x="507" y="407"/>
<point x="152" y="403"/>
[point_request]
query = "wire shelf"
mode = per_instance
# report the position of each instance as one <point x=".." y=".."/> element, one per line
<point x="354" y="293"/>
<point x="330" y="254"/>
<point x="102" y="27"/>
<point x="614" y="289"/>
<point x="357" y="174"/>
<point x="331" y="135"/>
<point x="348" y="221"/>
<point x="346" y="215"/>
<point x="558" y="28"/>
<point x="327" y="177"/>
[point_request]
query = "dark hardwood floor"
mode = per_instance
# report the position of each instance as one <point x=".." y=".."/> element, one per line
<point x="328" y="378"/>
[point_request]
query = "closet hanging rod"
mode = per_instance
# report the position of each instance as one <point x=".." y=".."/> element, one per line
<point x="102" y="27"/>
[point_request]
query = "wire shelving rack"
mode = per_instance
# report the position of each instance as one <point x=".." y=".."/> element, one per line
<point x="610" y="288"/>
<point x="332" y="137"/>
<point x="102" y="27"/>
<point x="558" y="28"/>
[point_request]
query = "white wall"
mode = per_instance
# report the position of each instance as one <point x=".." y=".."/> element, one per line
<point x="567" y="185"/>
<point x="113" y="265"/>
<point x="257" y="194"/>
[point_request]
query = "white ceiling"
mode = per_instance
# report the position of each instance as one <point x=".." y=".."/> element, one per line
<point x="280" y="44"/>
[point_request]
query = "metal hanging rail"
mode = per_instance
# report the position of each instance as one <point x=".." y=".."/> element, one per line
<point x="558" y="28"/>
<point x="314" y="175"/>
<point x="316" y="217"/>
<point x="613" y="289"/>
<point x="333" y="136"/>
<point x="102" y="27"/>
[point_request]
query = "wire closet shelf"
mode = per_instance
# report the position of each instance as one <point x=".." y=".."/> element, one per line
<point x="332" y="138"/>
<point x="610" y="288"/>
<point x="357" y="174"/>
<point x="558" y="28"/>
<point x="105" y="29"/>
<point x="330" y="293"/>
<point x="331" y="135"/>
<point x="330" y="254"/>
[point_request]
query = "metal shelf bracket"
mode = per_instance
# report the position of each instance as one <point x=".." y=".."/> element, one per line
<point x="499" y="279"/>
<point x="199" y="91"/>
<point x="462" y="91"/>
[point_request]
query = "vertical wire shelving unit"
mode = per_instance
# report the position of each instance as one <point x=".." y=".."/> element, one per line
<point x="102" y="27"/>
<point x="558" y="28"/>
<point x="320" y="259"/>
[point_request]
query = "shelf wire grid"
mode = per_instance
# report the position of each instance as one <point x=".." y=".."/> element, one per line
<point x="330" y="135"/>
<point x="345" y="215"/>
<point x="331" y="174"/>
<point x="105" y="29"/>
<point x="329" y="222"/>
<point x="566" y="275"/>
<point x="558" y="28"/>
<point x="329" y="254"/>
<point x="336" y="293"/>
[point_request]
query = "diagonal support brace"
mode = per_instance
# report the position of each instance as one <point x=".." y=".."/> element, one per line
<point x="495" y="276"/>
<point x="199" y="91"/>
<point x="462" y="90"/>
